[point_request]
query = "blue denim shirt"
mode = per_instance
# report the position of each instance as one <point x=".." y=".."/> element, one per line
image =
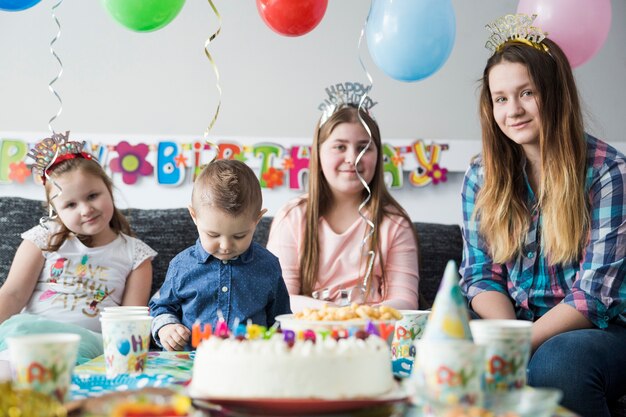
<point x="198" y="285"/>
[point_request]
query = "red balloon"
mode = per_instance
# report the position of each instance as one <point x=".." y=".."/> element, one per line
<point x="292" y="17"/>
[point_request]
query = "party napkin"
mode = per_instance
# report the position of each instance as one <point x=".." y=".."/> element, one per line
<point x="449" y="319"/>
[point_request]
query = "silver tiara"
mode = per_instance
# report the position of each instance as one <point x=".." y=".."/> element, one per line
<point x="345" y="94"/>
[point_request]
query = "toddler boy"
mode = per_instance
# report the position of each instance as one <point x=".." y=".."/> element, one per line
<point x="224" y="271"/>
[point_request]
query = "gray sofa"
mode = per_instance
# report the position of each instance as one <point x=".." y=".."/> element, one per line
<point x="168" y="231"/>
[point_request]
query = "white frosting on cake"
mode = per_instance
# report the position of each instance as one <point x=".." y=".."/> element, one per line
<point x="327" y="369"/>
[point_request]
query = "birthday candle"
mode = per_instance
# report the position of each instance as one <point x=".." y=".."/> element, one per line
<point x="290" y="337"/>
<point x="240" y="332"/>
<point x="195" y="334"/>
<point x="255" y="331"/>
<point x="221" y="329"/>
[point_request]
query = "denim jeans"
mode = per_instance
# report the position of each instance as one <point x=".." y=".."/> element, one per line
<point x="588" y="365"/>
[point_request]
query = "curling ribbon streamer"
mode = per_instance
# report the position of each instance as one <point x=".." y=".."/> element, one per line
<point x="371" y="254"/>
<point x="54" y="54"/>
<point x="51" y="213"/>
<point x="217" y="76"/>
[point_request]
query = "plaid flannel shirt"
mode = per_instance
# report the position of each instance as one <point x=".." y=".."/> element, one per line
<point x="594" y="285"/>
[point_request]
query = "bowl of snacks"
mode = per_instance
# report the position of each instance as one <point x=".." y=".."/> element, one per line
<point x="343" y="320"/>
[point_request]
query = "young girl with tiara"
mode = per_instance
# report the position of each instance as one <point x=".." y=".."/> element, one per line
<point x="544" y="227"/>
<point x="321" y="238"/>
<point x="78" y="261"/>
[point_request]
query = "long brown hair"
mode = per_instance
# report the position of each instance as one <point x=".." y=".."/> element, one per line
<point x="502" y="201"/>
<point x="319" y="198"/>
<point x="118" y="222"/>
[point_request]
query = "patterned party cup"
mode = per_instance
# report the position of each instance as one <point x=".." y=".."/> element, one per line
<point x="44" y="362"/>
<point x="408" y="329"/>
<point x="124" y="309"/>
<point x="507" y="351"/>
<point x="447" y="372"/>
<point x="126" y="342"/>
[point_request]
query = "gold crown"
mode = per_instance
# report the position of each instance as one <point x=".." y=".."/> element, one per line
<point x="515" y="28"/>
<point x="345" y="94"/>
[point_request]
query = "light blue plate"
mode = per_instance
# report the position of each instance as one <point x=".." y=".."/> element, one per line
<point x="84" y="386"/>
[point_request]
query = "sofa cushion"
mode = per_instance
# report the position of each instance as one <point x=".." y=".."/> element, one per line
<point x="437" y="244"/>
<point x="169" y="231"/>
<point x="16" y="216"/>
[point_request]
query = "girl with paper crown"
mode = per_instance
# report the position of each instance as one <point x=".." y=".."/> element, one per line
<point x="544" y="210"/>
<point x="77" y="261"/>
<point x="320" y="237"/>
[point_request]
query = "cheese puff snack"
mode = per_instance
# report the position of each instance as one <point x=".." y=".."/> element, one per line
<point x="351" y="312"/>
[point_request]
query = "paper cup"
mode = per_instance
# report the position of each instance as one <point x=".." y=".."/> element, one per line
<point x="124" y="313"/>
<point x="408" y="329"/>
<point x="44" y="362"/>
<point x="448" y="372"/>
<point x="126" y="342"/>
<point x="124" y="309"/>
<point x="507" y="351"/>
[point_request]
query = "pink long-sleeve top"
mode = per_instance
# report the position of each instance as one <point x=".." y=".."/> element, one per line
<point x="341" y="265"/>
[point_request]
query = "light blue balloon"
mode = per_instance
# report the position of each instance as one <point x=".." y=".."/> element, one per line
<point x="17" y="5"/>
<point x="410" y="40"/>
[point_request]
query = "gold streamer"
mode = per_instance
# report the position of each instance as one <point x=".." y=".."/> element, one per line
<point x="217" y="77"/>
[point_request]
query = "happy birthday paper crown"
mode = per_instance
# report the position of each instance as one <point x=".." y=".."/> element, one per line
<point x="515" y="28"/>
<point x="342" y="95"/>
<point x="449" y="319"/>
<point x="53" y="150"/>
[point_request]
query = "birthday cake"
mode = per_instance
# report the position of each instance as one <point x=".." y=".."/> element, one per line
<point x="272" y="368"/>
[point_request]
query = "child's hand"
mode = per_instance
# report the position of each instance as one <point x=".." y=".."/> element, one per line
<point x="174" y="336"/>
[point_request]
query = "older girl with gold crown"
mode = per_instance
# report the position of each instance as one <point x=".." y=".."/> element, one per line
<point x="544" y="226"/>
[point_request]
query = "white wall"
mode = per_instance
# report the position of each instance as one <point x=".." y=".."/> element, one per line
<point x="134" y="86"/>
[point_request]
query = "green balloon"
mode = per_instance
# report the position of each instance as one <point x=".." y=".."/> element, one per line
<point x="144" y="15"/>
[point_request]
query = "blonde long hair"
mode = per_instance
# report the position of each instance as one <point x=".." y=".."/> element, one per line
<point x="502" y="201"/>
<point x="118" y="222"/>
<point x="319" y="199"/>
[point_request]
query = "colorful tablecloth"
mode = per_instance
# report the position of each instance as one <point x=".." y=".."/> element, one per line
<point x="163" y="369"/>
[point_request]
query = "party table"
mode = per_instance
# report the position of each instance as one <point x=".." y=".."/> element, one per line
<point x="173" y="370"/>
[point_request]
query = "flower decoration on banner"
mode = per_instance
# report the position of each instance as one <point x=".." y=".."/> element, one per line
<point x="437" y="174"/>
<point x="273" y="177"/>
<point x="17" y="5"/>
<point x="292" y="17"/>
<point x="143" y="15"/>
<point x="397" y="160"/>
<point x="131" y="162"/>
<point x="18" y="171"/>
<point x="181" y="161"/>
<point x="288" y="164"/>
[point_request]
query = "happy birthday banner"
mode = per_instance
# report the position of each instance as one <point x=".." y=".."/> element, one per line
<point x="172" y="163"/>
